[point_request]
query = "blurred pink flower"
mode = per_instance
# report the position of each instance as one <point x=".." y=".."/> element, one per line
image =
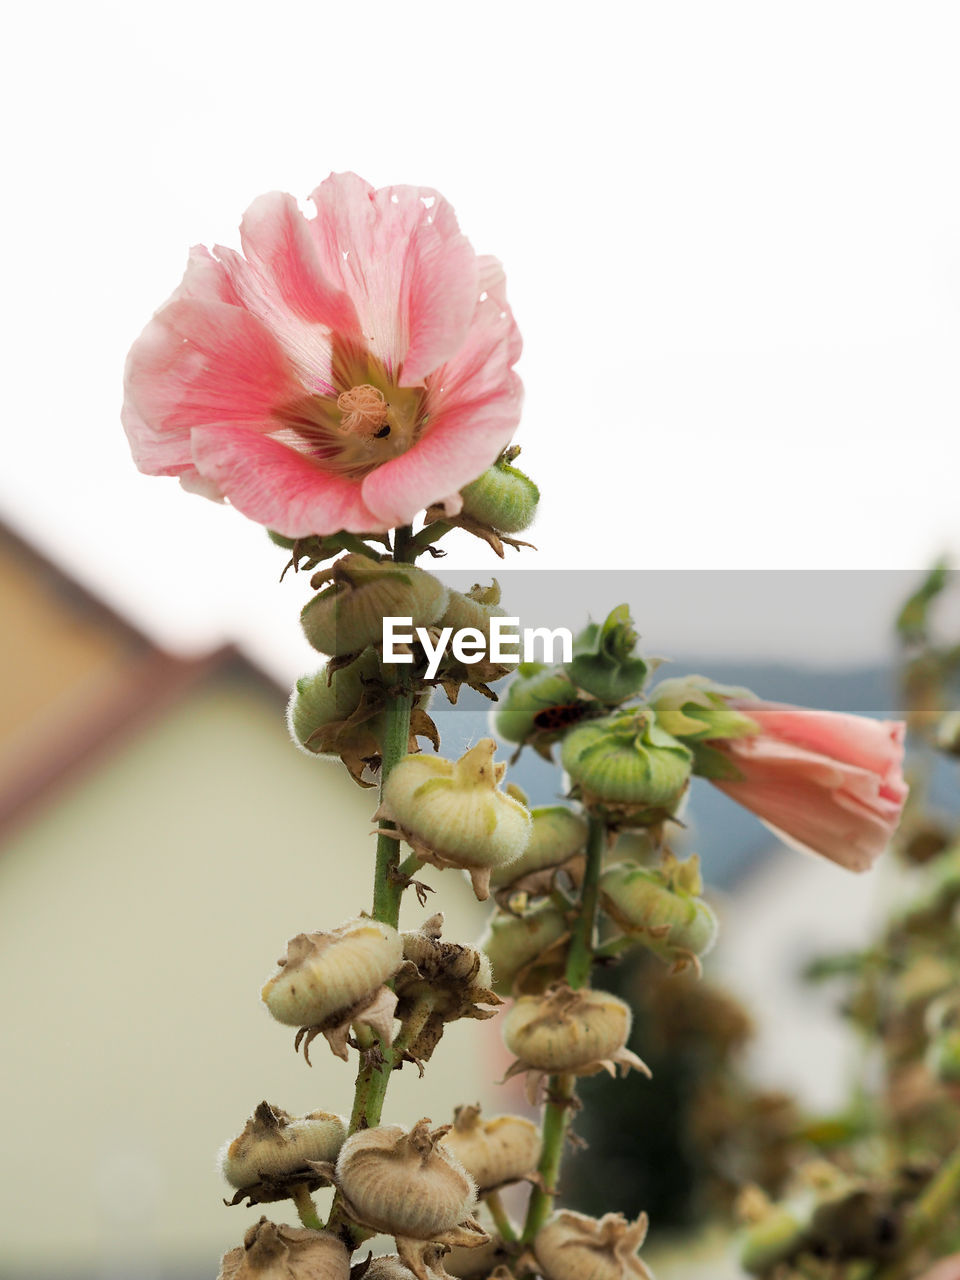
<point x="945" y="1269"/>
<point x="342" y="373"/>
<point x="823" y="781"/>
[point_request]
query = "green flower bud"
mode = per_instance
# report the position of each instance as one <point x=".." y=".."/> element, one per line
<point x="540" y="704"/>
<point x="626" y="769"/>
<point x="695" y="708"/>
<point x="775" y="1238"/>
<point x="321" y="700"/>
<point x="605" y="663"/>
<point x="453" y="814"/>
<point x="662" y="907"/>
<point x="503" y="497"/>
<point x="472" y="609"/>
<point x="558" y="836"/>
<point x="526" y="952"/>
<point x="347" y="616"/>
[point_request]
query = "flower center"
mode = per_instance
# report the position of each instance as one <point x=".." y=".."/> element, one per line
<point x="364" y="412"/>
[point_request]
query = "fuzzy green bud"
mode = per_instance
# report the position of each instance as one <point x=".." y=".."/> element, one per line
<point x="695" y="709"/>
<point x="627" y="769"/>
<point x="605" y="661"/>
<point x="321" y="700"/>
<point x="503" y="497"/>
<point x="472" y="610"/>
<point x="662" y="908"/>
<point x="539" y="704"/>
<point x="347" y="616"/>
<point x="943" y="1057"/>
<point x="771" y="1240"/>
<point x="558" y="835"/>
<point x="525" y="951"/>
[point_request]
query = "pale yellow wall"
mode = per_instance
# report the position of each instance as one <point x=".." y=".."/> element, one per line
<point x="139" y="916"/>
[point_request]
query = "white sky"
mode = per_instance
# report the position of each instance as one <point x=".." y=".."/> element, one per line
<point x="731" y="235"/>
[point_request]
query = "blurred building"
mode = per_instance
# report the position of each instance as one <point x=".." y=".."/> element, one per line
<point x="160" y="840"/>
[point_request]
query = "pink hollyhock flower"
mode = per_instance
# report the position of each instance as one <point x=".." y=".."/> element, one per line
<point x="823" y="781"/>
<point x="342" y="373"/>
<point x="945" y="1269"/>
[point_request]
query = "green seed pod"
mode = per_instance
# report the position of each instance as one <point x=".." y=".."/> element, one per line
<point x="453" y="814"/>
<point x="605" y="663"/>
<point x="347" y="616"/>
<point x="568" y="1032"/>
<point x="325" y="974"/>
<point x="322" y="700"/>
<point x="275" y="1148"/>
<point x="539" y="704"/>
<point x="271" y="1252"/>
<point x="405" y="1184"/>
<point x="572" y="1246"/>
<point x="948" y="733"/>
<point x="558" y="835"/>
<point x="526" y="951"/>
<point x="773" y="1239"/>
<point x="503" y="497"/>
<point x="662" y="908"/>
<point x="626" y="769"/>
<point x="494" y="1152"/>
<point x="472" y="610"/>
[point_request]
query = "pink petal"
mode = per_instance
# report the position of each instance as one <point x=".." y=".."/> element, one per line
<point x="814" y="803"/>
<point x="198" y="363"/>
<point x="400" y="256"/>
<point x="871" y="744"/>
<point x="277" y="243"/>
<point x="279" y="487"/>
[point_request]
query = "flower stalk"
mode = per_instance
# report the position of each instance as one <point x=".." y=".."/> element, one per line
<point x="561" y="1096"/>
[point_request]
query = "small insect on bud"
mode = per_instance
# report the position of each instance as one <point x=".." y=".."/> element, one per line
<point x="455" y="815"/>
<point x="502" y="497"/>
<point x="626" y="769"/>
<point x="273" y="1152"/>
<point x="494" y="1152"/>
<point x="569" y="1032"/>
<point x="541" y="703"/>
<point x="572" y="1246"/>
<point x="271" y="1252"/>
<point x="557" y="843"/>
<point x="527" y="951"/>
<point x="330" y="981"/>
<point x="438" y="983"/>
<point x="605" y="662"/>
<point x="347" y="616"/>
<point x="662" y="908"/>
<point x="410" y="1186"/>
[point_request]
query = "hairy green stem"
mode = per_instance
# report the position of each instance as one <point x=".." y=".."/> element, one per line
<point x="555" y="1122"/>
<point x="560" y="1089"/>
<point x="306" y="1209"/>
<point x="375" y="1068"/>
<point x="500" y="1216"/>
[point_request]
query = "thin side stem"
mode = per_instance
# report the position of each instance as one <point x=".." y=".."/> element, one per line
<point x="306" y="1209"/>
<point x="500" y="1216"/>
